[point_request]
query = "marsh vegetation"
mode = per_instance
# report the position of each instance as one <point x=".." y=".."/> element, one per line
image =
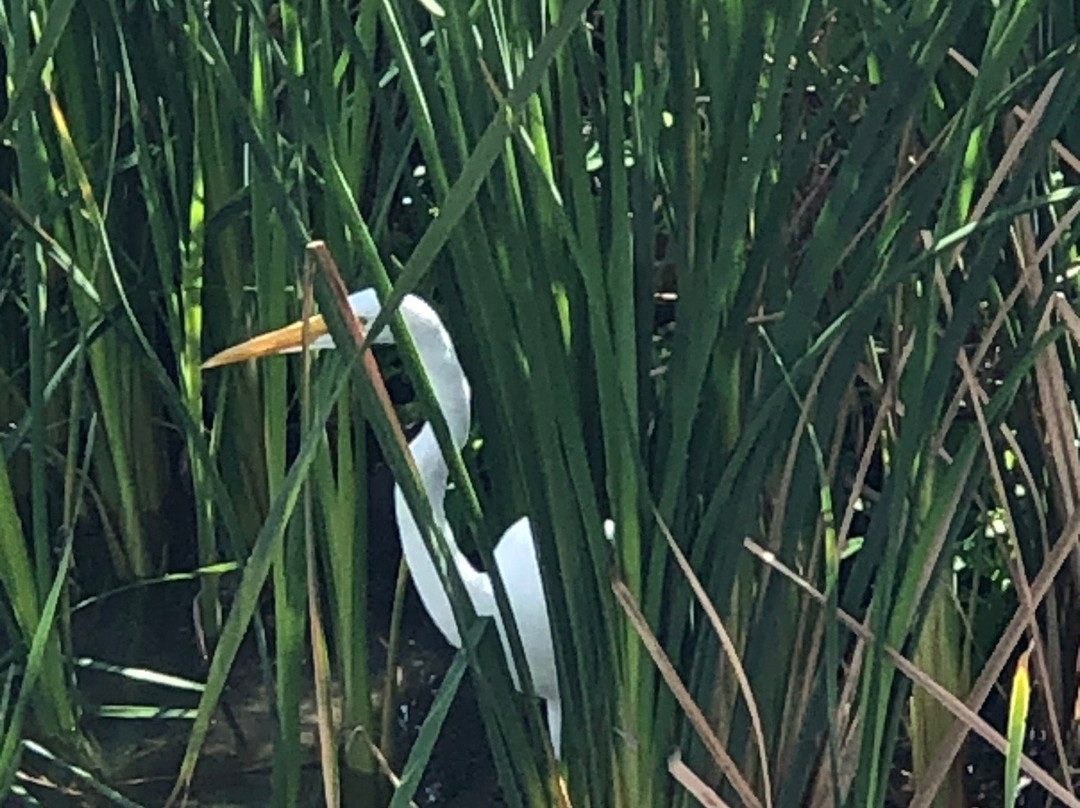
<point x="784" y="288"/>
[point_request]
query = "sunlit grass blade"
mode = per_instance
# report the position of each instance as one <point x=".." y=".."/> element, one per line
<point x="16" y="574"/>
<point x="1017" y="727"/>
<point x="30" y="70"/>
<point x="43" y="642"/>
<point x="44" y="679"/>
<point x="108" y="357"/>
<point x="141" y="712"/>
<point x="85" y="778"/>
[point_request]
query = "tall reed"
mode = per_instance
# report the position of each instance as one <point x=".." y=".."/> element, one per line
<point x="778" y="287"/>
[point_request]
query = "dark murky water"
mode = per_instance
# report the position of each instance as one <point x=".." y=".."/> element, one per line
<point x="152" y="629"/>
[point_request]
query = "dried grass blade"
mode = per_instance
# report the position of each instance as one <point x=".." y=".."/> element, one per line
<point x="686" y="777"/>
<point x="682" y="695"/>
<point x="729" y="648"/>
<point x="1014" y="554"/>
<point x="1059" y="148"/>
<point x="320" y="655"/>
<point x="967" y="718"/>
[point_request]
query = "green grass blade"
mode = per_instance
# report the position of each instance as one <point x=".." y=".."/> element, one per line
<point x="1019" y="700"/>
<point x="20" y="100"/>
<point x="80" y="775"/>
<point x="44" y="642"/>
<point x="422" y="748"/>
<point x="256" y="569"/>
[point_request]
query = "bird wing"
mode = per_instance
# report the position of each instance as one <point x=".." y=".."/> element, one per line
<point x="519" y="567"/>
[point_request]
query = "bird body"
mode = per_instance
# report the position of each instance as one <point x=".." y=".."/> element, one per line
<point x="515" y="553"/>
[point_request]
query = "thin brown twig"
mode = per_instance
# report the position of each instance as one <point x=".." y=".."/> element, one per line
<point x="320" y="655"/>
<point x="1067" y="156"/>
<point x="690" y="707"/>
<point x="729" y="649"/>
<point x="1015" y="559"/>
<point x="689" y="780"/>
<point x="381" y="761"/>
<point x="966" y="712"/>
<point x="325" y="261"/>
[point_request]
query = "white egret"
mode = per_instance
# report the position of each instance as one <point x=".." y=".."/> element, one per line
<point x="515" y="553"/>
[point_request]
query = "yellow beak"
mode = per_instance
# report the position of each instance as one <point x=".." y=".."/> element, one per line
<point x="288" y="339"/>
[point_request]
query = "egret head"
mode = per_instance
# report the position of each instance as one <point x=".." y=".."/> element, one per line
<point x="366" y="306"/>
<point x="289" y="339"/>
<point x="433" y="344"/>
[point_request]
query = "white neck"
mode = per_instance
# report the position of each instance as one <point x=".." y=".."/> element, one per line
<point x="442" y="366"/>
<point x="451" y="388"/>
